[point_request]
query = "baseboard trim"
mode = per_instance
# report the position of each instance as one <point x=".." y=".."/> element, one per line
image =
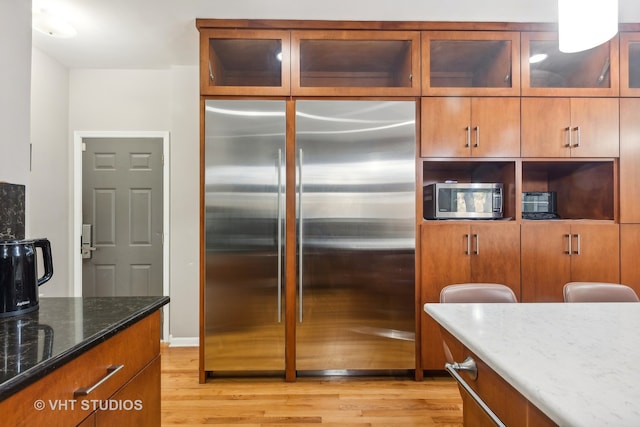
<point x="184" y="341"/>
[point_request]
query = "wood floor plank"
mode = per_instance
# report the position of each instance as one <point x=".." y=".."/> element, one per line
<point x="320" y="402"/>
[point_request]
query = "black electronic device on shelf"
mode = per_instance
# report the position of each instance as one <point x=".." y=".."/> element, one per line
<point x="539" y="205"/>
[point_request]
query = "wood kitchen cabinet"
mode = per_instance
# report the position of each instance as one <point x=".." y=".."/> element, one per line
<point x="629" y="64"/>
<point x="570" y="127"/>
<point x="470" y="127"/>
<point x="554" y="253"/>
<point x="244" y="62"/>
<point x="629" y="160"/>
<point x="462" y="252"/>
<point x="136" y="349"/>
<point x="548" y="72"/>
<point x="367" y="63"/>
<point x="471" y="63"/>
<point x="629" y="250"/>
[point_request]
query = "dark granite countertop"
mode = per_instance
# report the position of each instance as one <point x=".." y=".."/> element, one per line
<point x="36" y="343"/>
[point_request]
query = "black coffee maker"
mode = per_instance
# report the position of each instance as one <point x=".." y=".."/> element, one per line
<point x="19" y="279"/>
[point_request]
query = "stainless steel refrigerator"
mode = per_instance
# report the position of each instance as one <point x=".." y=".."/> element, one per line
<point x="355" y="235"/>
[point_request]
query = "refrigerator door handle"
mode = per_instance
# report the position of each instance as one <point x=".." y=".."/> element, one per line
<point x="279" y="210"/>
<point x="300" y="233"/>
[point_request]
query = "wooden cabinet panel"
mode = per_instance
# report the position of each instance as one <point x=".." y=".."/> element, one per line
<point x="471" y="63"/>
<point x="593" y="72"/>
<point x="496" y="254"/>
<point x="546" y="265"/>
<point x="596" y="253"/>
<point x="445" y="127"/>
<point x="629" y="160"/>
<point x="463" y="252"/>
<point x="629" y="250"/>
<point x="470" y="127"/>
<point x="630" y="64"/>
<point x="134" y="347"/>
<point x="139" y="399"/>
<point x="554" y="253"/>
<point x="495" y="124"/>
<point x="570" y="127"/>
<point x="357" y="63"/>
<point x="545" y="123"/>
<point x="597" y="123"/>
<point x="245" y="62"/>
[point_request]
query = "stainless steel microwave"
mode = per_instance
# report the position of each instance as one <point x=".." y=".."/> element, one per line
<point x="463" y="201"/>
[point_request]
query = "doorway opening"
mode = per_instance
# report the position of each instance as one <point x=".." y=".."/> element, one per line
<point x="113" y="170"/>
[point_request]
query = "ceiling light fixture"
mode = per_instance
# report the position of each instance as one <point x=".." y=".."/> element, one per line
<point x="584" y="24"/>
<point x="52" y="25"/>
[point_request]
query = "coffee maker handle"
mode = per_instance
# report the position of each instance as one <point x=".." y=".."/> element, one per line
<point x="45" y="245"/>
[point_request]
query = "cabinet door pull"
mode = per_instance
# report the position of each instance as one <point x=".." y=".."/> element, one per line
<point x="469" y="366"/>
<point x="111" y="371"/>
<point x="468" y="129"/>
<point x="577" y="129"/>
<point x="477" y="239"/>
<point x="568" y="251"/>
<point x="577" y="251"/>
<point x="468" y="251"/>
<point x="477" y="129"/>
<point x="568" y="130"/>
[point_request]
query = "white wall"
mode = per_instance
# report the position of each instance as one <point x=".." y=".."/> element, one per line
<point x="154" y="100"/>
<point x="51" y="167"/>
<point x="15" y="73"/>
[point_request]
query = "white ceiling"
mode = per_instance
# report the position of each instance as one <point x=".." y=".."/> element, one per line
<point x="143" y="34"/>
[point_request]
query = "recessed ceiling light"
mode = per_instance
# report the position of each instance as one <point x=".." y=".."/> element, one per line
<point x="538" y="57"/>
<point x="54" y="26"/>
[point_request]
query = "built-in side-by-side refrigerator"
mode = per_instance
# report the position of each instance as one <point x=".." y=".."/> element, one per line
<point x="355" y="235"/>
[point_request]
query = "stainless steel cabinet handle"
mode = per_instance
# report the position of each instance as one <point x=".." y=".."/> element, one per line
<point x="468" y="136"/>
<point x="468" y="251"/>
<point x="477" y="239"/>
<point x="279" y="235"/>
<point x="577" y="129"/>
<point x="469" y="365"/>
<point x="568" y="251"/>
<point x="577" y="251"/>
<point x="300" y="232"/>
<point x="477" y="129"/>
<point x="111" y="371"/>
<point x="568" y="130"/>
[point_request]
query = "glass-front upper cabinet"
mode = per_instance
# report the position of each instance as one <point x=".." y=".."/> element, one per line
<point x="548" y="72"/>
<point x="630" y="64"/>
<point x="371" y="63"/>
<point x="244" y="62"/>
<point x="470" y="63"/>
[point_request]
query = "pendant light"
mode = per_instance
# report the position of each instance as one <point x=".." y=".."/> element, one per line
<point x="584" y="24"/>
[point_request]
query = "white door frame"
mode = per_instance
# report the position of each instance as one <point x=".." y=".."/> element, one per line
<point x="76" y="214"/>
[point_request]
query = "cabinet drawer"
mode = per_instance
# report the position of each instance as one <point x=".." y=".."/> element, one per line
<point x="133" y="348"/>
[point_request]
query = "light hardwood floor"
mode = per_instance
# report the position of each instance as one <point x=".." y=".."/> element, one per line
<point x="268" y="402"/>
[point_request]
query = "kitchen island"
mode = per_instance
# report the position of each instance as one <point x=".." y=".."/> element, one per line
<point x="566" y="364"/>
<point x="93" y="360"/>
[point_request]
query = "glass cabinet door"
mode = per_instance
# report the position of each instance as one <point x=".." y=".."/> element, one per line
<point x="244" y="62"/>
<point x="366" y="63"/>
<point x="548" y="72"/>
<point x="630" y="64"/>
<point x="470" y="63"/>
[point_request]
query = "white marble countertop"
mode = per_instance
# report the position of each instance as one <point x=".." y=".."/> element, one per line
<point x="578" y="363"/>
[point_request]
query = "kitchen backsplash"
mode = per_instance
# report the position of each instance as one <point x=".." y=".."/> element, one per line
<point x="12" y="198"/>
